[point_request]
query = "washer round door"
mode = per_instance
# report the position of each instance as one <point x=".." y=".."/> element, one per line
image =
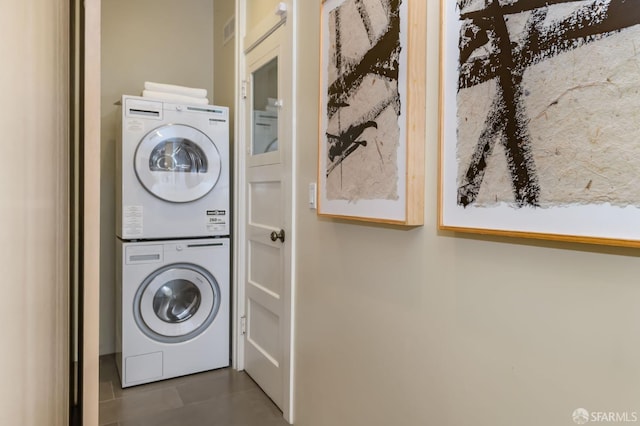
<point x="176" y="303"/>
<point x="177" y="163"/>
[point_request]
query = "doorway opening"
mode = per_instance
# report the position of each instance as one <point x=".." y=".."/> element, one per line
<point x="125" y="37"/>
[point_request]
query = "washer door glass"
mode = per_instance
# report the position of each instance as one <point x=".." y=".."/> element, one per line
<point x="176" y="303"/>
<point x="177" y="163"/>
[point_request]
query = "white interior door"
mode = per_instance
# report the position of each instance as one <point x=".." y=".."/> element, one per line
<point x="268" y="191"/>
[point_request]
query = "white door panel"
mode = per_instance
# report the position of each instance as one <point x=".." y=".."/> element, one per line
<point x="262" y="272"/>
<point x="263" y="331"/>
<point x="265" y="196"/>
<point x="267" y="253"/>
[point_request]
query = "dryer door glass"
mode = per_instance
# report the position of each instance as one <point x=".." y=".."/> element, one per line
<point x="178" y="155"/>
<point x="177" y="163"/>
<point x="176" y="303"/>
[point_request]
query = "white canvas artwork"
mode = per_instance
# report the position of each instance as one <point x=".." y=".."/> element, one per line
<point x="542" y="118"/>
<point x="365" y="110"/>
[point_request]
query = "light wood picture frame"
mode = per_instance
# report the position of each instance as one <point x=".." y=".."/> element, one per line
<point x="540" y="120"/>
<point x="372" y="111"/>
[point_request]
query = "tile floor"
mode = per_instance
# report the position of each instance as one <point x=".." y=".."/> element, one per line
<point x="220" y="397"/>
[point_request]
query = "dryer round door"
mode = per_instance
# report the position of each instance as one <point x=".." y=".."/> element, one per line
<point x="176" y="303"/>
<point x="177" y="163"/>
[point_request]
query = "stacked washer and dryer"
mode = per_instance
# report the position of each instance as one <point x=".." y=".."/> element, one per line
<point x="172" y="245"/>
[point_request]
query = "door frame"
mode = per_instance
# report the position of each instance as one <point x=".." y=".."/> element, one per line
<point x="91" y="226"/>
<point x="91" y="92"/>
<point x="244" y="42"/>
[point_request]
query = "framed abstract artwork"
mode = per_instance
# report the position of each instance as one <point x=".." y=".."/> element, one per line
<point x="372" y="110"/>
<point x="540" y="119"/>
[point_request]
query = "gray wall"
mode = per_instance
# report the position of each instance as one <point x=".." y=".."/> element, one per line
<point x="419" y="327"/>
<point x="224" y="56"/>
<point x="164" y="41"/>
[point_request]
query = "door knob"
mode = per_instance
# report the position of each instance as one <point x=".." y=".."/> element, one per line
<point x="277" y="236"/>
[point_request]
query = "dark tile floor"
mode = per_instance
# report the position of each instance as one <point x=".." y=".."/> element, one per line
<point x="220" y="397"/>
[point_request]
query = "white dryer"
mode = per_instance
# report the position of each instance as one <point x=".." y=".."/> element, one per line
<point x="172" y="170"/>
<point x="172" y="308"/>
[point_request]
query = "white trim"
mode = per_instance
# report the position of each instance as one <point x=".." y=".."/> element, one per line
<point x="239" y="231"/>
<point x="293" y="37"/>
<point x="263" y="30"/>
<point x="289" y="157"/>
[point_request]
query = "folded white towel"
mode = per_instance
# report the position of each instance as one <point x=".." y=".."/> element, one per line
<point x="178" y="90"/>
<point x="174" y="97"/>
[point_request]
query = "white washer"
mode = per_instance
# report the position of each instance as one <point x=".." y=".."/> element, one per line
<point x="172" y="170"/>
<point x="172" y="309"/>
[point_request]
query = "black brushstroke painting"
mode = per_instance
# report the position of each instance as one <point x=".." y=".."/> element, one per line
<point x="487" y="51"/>
<point x="380" y="60"/>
